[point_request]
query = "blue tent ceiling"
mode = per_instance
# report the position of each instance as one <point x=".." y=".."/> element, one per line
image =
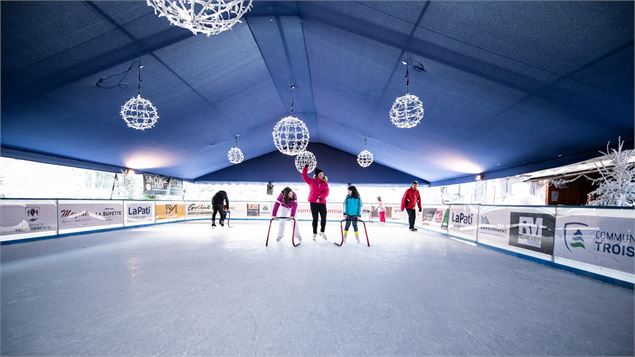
<point x="508" y="86"/>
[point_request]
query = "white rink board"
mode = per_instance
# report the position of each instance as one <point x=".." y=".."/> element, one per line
<point x="463" y="221"/>
<point x="80" y="216"/>
<point x="597" y="237"/>
<point x="138" y="212"/>
<point x="20" y="219"/>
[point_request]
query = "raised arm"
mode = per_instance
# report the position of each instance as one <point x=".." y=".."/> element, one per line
<point x="305" y="174"/>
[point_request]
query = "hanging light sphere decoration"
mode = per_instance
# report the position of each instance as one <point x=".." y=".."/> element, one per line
<point x="406" y="111"/>
<point x="209" y="17"/>
<point x="235" y="155"/>
<point x="365" y="158"/>
<point x="305" y="158"/>
<point x="139" y="113"/>
<point x="290" y="135"/>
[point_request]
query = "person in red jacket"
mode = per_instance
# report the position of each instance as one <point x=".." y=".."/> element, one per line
<point x="319" y="191"/>
<point x="411" y="199"/>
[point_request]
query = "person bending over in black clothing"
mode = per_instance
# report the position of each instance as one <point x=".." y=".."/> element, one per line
<point x="220" y="203"/>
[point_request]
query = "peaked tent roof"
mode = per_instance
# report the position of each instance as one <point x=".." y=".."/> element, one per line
<point x="506" y="84"/>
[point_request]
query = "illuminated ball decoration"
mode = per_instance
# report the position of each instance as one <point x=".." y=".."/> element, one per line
<point x="290" y="135"/>
<point x="209" y="17"/>
<point x="139" y="113"/>
<point x="235" y="155"/>
<point x="365" y="158"/>
<point x="406" y="111"/>
<point x="305" y="158"/>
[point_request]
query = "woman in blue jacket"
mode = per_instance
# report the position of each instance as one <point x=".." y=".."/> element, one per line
<point x="352" y="210"/>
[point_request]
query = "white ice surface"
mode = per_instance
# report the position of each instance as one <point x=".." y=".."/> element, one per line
<point x="185" y="289"/>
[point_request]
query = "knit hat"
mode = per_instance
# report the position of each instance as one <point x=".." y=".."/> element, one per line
<point x="317" y="171"/>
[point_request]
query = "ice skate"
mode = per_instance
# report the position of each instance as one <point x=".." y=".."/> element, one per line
<point x="314" y="236"/>
<point x="278" y="239"/>
<point x="323" y="235"/>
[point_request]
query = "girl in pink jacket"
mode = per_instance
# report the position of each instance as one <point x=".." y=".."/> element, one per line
<point x="287" y="202"/>
<point x="319" y="191"/>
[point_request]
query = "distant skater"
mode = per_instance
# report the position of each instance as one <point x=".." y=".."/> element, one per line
<point x="220" y="203"/>
<point x="381" y="209"/>
<point x="286" y="206"/>
<point x="319" y="191"/>
<point x="411" y="198"/>
<point x="352" y="211"/>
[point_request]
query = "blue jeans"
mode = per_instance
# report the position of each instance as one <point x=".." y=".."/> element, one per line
<point x="349" y="220"/>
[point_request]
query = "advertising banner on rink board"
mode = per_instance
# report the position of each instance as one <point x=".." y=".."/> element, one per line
<point x="532" y="228"/>
<point x="200" y="209"/>
<point x="237" y="209"/>
<point x="493" y="227"/>
<point x="77" y="216"/>
<point x="463" y="221"/>
<point x="432" y="217"/>
<point x="169" y="211"/>
<point x="138" y="212"/>
<point x="21" y="219"/>
<point x="602" y="237"/>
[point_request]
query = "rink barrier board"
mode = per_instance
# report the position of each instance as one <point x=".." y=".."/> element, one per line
<point x="586" y="273"/>
<point x="588" y="269"/>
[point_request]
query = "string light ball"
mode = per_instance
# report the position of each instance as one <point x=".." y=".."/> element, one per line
<point x="365" y="158"/>
<point x="305" y="158"/>
<point x="139" y="113"/>
<point x="209" y="17"/>
<point x="406" y="111"/>
<point x="235" y="155"/>
<point x="290" y="135"/>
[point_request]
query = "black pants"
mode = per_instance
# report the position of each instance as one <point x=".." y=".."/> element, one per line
<point x="321" y="209"/>
<point x="221" y="209"/>
<point x="349" y="220"/>
<point x="412" y="216"/>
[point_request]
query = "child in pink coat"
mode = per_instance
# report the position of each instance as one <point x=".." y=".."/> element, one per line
<point x="286" y="203"/>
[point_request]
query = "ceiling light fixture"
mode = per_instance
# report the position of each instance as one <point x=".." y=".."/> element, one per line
<point x="139" y="113"/>
<point x="365" y="158"/>
<point x="235" y="155"/>
<point x="305" y="158"/>
<point x="209" y="17"/>
<point x="290" y="134"/>
<point x="407" y="110"/>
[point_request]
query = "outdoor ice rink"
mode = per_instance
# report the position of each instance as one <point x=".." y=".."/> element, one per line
<point x="183" y="289"/>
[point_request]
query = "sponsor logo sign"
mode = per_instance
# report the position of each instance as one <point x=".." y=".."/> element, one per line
<point x="169" y="211"/>
<point x="599" y="240"/>
<point x="73" y="215"/>
<point x="161" y="185"/>
<point x="446" y="218"/>
<point x="428" y="215"/>
<point x="463" y="221"/>
<point x="198" y="209"/>
<point x="138" y="212"/>
<point x="532" y="231"/>
<point x="27" y="218"/>
<point x="253" y="209"/>
<point x="493" y="225"/>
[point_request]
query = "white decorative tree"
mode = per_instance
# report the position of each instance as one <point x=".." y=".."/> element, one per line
<point x="616" y="186"/>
